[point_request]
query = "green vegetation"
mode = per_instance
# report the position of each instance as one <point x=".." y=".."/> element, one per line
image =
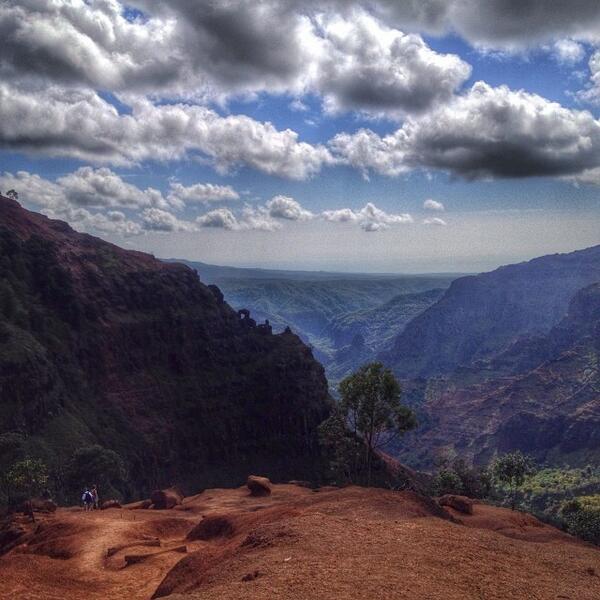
<point x="511" y="470"/>
<point x="370" y="411"/>
<point x="24" y="480"/>
<point x="97" y="465"/>
<point x="457" y="477"/>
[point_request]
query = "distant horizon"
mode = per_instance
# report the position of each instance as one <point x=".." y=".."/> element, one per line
<point x="346" y="136"/>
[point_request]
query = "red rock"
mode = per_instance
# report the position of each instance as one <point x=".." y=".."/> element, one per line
<point x="165" y="499"/>
<point x="460" y="503"/>
<point x="110" y="504"/>
<point x="258" y="486"/>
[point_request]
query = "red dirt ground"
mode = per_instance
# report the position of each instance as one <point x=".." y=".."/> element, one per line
<point x="331" y="544"/>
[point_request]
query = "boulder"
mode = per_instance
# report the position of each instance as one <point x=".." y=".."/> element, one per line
<point x="110" y="504"/>
<point x="165" y="499"/>
<point x="213" y="526"/>
<point x="258" y="486"/>
<point x="460" y="503"/>
<point x="142" y="504"/>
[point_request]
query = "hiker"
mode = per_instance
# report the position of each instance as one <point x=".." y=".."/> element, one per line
<point x="95" y="497"/>
<point x="87" y="499"/>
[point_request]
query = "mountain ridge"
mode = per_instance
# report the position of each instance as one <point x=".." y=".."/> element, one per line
<point x="104" y="345"/>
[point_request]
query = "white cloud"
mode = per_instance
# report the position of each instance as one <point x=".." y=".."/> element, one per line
<point x="84" y="188"/>
<point x="62" y="200"/>
<point x="102" y="187"/>
<point x="200" y="193"/>
<point x="249" y="219"/>
<point x="79" y="124"/>
<point x="592" y="92"/>
<point x="486" y="132"/>
<point x="431" y="204"/>
<point x="568" y="52"/>
<point x="367" y="151"/>
<point x="434" y="221"/>
<point x="155" y="219"/>
<point x="213" y="50"/>
<point x="370" y="67"/>
<point x="370" y="218"/>
<point x="283" y="207"/>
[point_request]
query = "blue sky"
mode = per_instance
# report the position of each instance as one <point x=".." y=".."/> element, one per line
<point x="299" y="135"/>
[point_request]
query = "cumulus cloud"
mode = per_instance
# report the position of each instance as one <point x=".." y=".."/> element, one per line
<point x="568" y="52"/>
<point x="496" y="24"/>
<point x="486" y="132"/>
<point x="592" y="91"/>
<point x="200" y="193"/>
<point x="250" y="219"/>
<point x="370" y="218"/>
<point x="434" y="221"/>
<point x="80" y="124"/>
<point x="431" y="204"/>
<point x="283" y="207"/>
<point x="212" y="50"/>
<point x="156" y="219"/>
<point x="368" y="66"/>
<point x="86" y="188"/>
<point x="101" y="187"/>
<point x="62" y="200"/>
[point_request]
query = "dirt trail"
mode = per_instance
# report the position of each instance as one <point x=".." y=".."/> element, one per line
<point x="351" y="543"/>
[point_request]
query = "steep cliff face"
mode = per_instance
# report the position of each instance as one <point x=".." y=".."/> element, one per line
<point x="102" y="345"/>
<point x="548" y="407"/>
<point x="482" y="316"/>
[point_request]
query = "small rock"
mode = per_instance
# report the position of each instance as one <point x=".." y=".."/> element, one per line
<point x="165" y="499"/>
<point x="460" y="503"/>
<point x="251" y="576"/>
<point x="258" y="486"/>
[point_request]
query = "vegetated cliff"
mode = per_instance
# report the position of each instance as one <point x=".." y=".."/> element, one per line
<point x="360" y="335"/>
<point x="480" y="317"/>
<point x="348" y="318"/>
<point x="108" y="346"/>
<point x="542" y="396"/>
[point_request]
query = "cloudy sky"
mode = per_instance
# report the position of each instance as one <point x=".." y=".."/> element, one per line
<point x="424" y="135"/>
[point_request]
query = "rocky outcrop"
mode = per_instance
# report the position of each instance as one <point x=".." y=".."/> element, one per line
<point x="103" y="345"/>
<point x="462" y="504"/>
<point x="258" y="486"/>
<point x="166" y="499"/>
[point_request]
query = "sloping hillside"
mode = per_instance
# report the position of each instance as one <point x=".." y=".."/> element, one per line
<point x="102" y="345"/>
<point x="352" y="543"/>
<point x="542" y="397"/>
<point x="481" y="316"/>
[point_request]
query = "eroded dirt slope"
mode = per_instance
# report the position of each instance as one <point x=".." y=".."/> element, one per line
<point x="299" y="543"/>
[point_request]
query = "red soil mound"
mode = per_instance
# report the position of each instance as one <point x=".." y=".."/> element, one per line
<point x="346" y="543"/>
<point x="212" y="527"/>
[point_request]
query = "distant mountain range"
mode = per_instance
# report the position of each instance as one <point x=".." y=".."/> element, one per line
<point x="491" y="362"/>
<point x="508" y="360"/>
<point x="347" y="318"/>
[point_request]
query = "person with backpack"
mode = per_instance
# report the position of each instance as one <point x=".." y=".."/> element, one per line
<point x="87" y="499"/>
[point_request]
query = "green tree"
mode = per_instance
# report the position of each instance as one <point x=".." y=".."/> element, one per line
<point x="446" y="481"/>
<point x="25" y="479"/>
<point x="511" y="470"/>
<point x="12" y="194"/>
<point x="343" y="448"/>
<point x="99" y="465"/>
<point x="370" y="404"/>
